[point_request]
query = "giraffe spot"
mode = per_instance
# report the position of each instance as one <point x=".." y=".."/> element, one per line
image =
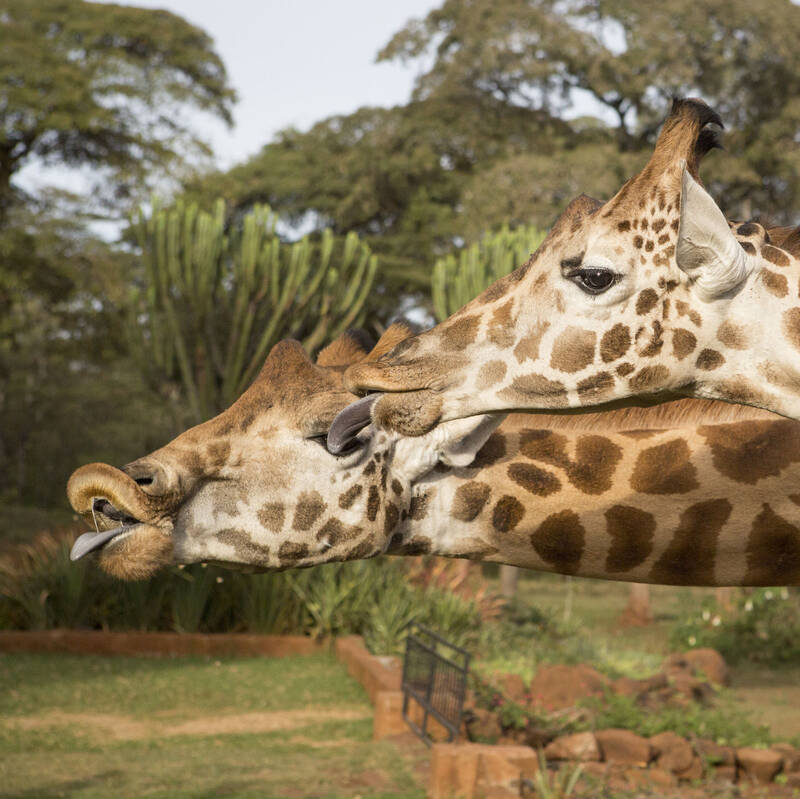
<point x="218" y="453"/>
<point x="469" y="500"/>
<point x="665" y="469"/>
<point x="683" y="342"/>
<point x="684" y="310"/>
<point x="494" y="292"/>
<point x="347" y="499"/>
<point x="292" y="550"/>
<point x="390" y="518"/>
<point x="596" y="459"/>
<point x="659" y="225"/>
<point x="370" y="468"/>
<point x="534" y="389"/>
<point x="649" y="343"/>
<point x="373" y="503"/>
<point x="774" y="255"/>
<point x="733" y="336"/>
<point x="649" y="245"/>
<point x="573" y="350"/>
<point x="247" y="550"/>
<point x="709" y="360"/>
<point x="631" y="531"/>
<point x="675" y="224"/>
<point x="528" y="346"/>
<point x="420" y="504"/>
<point x="624" y="226"/>
<point x="364" y="549"/>
<point x="648" y="378"/>
<point x="336" y="532"/>
<point x="740" y="390"/>
<point x="773" y="550"/>
<point x="748" y="229"/>
<point x="533" y="479"/>
<point x="615" y="343"/>
<point x="271" y="516"/>
<point x="246" y="421"/>
<point x="645" y="223"/>
<point x="638" y="241"/>
<point x="747" y="247"/>
<point x="594" y="388"/>
<point x="492" y="451"/>
<point x="420" y="545"/>
<point x="591" y="470"/>
<point x="624" y="369"/>
<point x="490" y="374"/>
<point x="384" y="476"/>
<point x="559" y="541"/>
<point x="507" y="514"/>
<point x="774" y="283"/>
<point x="790" y="323"/>
<point x="663" y="238"/>
<point x="309" y="508"/>
<point x="397" y="487"/>
<point x="500" y="331"/>
<point x="689" y="558"/>
<point x="752" y="450"/>
<point x="460" y="333"/>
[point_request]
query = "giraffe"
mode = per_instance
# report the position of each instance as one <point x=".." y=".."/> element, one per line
<point x="647" y="297"/>
<point x="693" y="492"/>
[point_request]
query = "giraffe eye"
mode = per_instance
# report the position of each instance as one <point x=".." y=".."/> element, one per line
<point x="594" y="281"/>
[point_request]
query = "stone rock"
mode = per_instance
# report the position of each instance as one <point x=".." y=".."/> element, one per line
<point x="759" y="765"/>
<point x="725" y="773"/>
<point x="661" y="778"/>
<point x="790" y="755"/>
<point x="684" y="682"/>
<point x="793" y="779"/>
<point x="580" y="746"/>
<point x="623" y="746"/>
<point x="714" y="753"/>
<point x="694" y="771"/>
<point x="672" y="753"/>
<point x="513" y="687"/>
<point x="483" y="725"/>
<point x="557" y="687"/>
<point x="710" y="663"/>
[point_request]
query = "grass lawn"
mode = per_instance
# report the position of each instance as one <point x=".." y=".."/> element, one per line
<point x="81" y="727"/>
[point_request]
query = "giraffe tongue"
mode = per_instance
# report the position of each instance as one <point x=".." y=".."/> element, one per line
<point x="88" y="542"/>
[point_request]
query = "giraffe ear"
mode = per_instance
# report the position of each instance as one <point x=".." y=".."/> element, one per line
<point x="454" y="443"/>
<point x="707" y="250"/>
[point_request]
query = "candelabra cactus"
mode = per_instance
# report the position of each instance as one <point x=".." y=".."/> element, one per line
<point x="459" y="278"/>
<point x="214" y="299"/>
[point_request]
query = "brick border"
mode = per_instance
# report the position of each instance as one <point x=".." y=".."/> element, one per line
<point x="98" y="642"/>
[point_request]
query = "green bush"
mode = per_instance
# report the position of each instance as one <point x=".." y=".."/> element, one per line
<point x="721" y="723"/>
<point x="763" y="628"/>
<point x="40" y="588"/>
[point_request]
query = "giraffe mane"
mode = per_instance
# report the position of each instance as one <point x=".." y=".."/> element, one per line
<point x="675" y="414"/>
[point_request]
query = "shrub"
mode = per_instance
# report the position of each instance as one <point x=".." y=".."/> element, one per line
<point x="764" y="628"/>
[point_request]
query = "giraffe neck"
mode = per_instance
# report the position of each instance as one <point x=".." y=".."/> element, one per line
<point x="706" y="504"/>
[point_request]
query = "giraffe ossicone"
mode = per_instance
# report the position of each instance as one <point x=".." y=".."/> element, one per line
<point x="650" y="296"/>
<point x="692" y="492"/>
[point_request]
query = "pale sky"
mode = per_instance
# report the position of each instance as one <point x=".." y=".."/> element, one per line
<point x="292" y="62"/>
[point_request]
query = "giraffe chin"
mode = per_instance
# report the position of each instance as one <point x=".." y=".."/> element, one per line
<point x="136" y="553"/>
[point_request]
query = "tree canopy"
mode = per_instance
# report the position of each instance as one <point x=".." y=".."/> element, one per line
<point x="105" y="86"/>
<point x="522" y="104"/>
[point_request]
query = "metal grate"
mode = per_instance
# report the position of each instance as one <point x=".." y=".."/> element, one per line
<point x="435" y="678"/>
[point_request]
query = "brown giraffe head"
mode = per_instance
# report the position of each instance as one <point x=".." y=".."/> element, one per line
<point x="648" y="296"/>
<point x="256" y="487"/>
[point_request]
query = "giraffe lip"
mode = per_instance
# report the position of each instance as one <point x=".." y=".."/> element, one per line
<point x="89" y="542"/>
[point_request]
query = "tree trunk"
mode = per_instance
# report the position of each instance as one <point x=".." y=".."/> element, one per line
<point x="509" y="577"/>
<point x="638" y="610"/>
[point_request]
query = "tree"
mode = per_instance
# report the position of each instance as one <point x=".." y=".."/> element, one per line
<point x="629" y="58"/>
<point x="213" y="300"/>
<point x="104" y="86"/>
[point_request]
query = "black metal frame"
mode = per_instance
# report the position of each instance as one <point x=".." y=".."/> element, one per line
<point x="435" y="676"/>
